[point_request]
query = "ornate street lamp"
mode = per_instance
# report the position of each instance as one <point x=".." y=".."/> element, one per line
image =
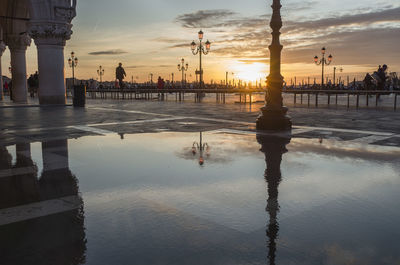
<point x="100" y="73"/>
<point x="182" y="68"/>
<point x="323" y="62"/>
<point x="273" y="114"/>
<point x="200" y="49"/>
<point x="73" y="62"/>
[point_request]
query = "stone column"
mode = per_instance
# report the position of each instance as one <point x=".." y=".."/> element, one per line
<point x="18" y="45"/>
<point x="273" y="114"/>
<point x="50" y="41"/>
<point x="50" y="27"/>
<point x="2" y="49"/>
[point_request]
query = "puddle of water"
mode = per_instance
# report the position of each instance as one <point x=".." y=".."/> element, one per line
<point x="178" y="198"/>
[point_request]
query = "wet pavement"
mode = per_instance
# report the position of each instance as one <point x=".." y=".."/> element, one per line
<point x="137" y="183"/>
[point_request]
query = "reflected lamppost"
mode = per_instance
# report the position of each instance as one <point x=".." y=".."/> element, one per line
<point x="323" y="62"/>
<point x="100" y="73"/>
<point x="183" y="68"/>
<point x="273" y="114"/>
<point x="200" y="147"/>
<point x="199" y="49"/>
<point x="73" y="62"/>
<point x="273" y="147"/>
<point x="334" y="74"/>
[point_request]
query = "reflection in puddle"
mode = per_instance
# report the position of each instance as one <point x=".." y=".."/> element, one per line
<point x="146" y="202"/>
<point x="201" y="149"/>
<point x="41" y="216"/>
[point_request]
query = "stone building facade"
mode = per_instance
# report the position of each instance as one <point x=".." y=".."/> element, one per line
<point x="48" y="23"/>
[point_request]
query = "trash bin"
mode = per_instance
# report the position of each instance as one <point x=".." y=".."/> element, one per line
<point x="79" y="99"/>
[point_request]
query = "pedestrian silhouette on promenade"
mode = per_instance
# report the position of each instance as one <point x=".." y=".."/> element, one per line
<point x="120" y="75"/>
<point x="382" y="77"/>
<point x="160" y="83"/>
<point x="368" y="82"/>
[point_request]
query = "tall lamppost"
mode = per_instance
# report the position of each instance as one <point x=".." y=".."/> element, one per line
<point x="183" y="68"/>
<point x="200" y="49"/>
<point x="100" y="73"/>
<point x="334" y="74"/>
<point x="151" y="78"/>
<point x="2" y="49"/>
<point x="323" y="62"/>
<point x="273" y="114"/>
<point x="73" y="62"/>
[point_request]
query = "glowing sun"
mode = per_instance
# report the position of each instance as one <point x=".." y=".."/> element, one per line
<point x="250" y="72"/>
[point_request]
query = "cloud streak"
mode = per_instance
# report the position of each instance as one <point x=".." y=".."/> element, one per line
<point x="108" y="52"/>
<point x="361" y="36"/>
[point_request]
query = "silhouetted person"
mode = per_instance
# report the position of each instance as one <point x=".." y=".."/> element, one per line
<point x="382" y="77"/>
<point x="120" y="75"/>
<point x="10" y="90"/>
<point x="273" y="147"/>
<point x="31" y="86"/>
<point x="368" y="82"/>
<point x="160" y="83"/>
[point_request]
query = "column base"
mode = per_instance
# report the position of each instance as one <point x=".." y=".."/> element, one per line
<point x="274" y="119"/>
<point x="52" y="100"/>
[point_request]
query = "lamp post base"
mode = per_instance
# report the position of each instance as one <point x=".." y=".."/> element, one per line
<point x="274" y="119"/>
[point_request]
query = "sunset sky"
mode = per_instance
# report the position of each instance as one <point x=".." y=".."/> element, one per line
<point x="152" y="36"/>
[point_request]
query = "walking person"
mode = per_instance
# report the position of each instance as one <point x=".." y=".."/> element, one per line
<point x="120" y="75"/>
<point x="382" y="77"/>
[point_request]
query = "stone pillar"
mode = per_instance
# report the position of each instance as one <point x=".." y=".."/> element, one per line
<point x="50" y="27"/>
<point x="51" y="72"/>
<point x="2" y="49"/>
<point x="273" y="114"/>
<point x="18" y="45"/>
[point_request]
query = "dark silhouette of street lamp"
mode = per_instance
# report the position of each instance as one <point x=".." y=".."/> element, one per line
<point x="200" y="49"/>
<point x="100" y="73"/>
<point x="323" y="62"/>
<point x="73" y="62"/>
<point x="273" y="114"/>
<point x="334" y="74"/>
<point x="183" y="68"/>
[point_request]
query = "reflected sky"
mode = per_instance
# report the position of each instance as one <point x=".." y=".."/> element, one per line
<point x="147" y="201"/>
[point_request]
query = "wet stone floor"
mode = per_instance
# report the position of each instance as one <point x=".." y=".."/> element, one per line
<point x="162" y="189"/>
